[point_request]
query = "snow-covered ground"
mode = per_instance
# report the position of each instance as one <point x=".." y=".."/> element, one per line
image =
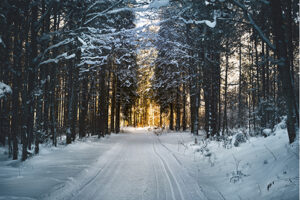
<point x="261" y="168"/>
<point x="138" y="164"/>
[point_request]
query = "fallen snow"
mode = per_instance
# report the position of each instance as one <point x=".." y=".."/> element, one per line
<point x="138" y="164"/>
<point x="52" y="168"/>
<point x="261" y="168"/>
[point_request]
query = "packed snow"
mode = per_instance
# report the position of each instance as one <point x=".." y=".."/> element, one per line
<point x="146" y="163"/>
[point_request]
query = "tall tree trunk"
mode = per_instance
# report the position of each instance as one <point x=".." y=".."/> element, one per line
<point x="160" y="116"/>
<point x="253" y="88"/>
<point x="107" y="102"/>
<point x="184" y="109"/>
<point x="75" y="99"/>
<point x="171" y="117"/>
<point x="45" y="72"/>
<point x="263" y="71"/>
<point x="263" y="90"/>
<point x="215" y="76"/>
<point x="102" y="103"/>
<point x="197" y="104"/>
<point x="240" y="87"/>
<point x="25" y="79"/>
<point x="257" y="88"/>
<point x="32" y="73"/>
<point x="267" y="73"/>
<point x="53" y="82"/>
<point x="249" y="90"/>
<point x="192" y="107"/>
<point x="70" y="102"/>
<point x="225" y="124"/>
<point x="15" y="130"/>
<point x="118" y="106"/>
<point x="206" y="93"/>
<point x="290" y="32"/>
<point x="113" y="104"/>
<point x="283" y="67"/>
<point x="84" y="107"/>
<point x="177" y="109"/>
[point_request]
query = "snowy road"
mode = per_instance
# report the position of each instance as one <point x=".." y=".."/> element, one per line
<point x="137" y="167"/>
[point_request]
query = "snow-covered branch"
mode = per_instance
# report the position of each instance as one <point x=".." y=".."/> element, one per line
<point x="211" y="24"/>
<point x="251" y="20"/>
<point x="63" y="56"/>
<point x="2" y="43"/>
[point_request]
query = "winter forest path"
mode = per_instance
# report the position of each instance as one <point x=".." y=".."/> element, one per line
<point x="137" y="167"/>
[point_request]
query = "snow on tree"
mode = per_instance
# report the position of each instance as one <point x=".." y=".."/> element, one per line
<point x="4" y="90"/>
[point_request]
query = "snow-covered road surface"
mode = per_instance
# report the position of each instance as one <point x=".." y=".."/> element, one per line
<point x="137" y="167"/>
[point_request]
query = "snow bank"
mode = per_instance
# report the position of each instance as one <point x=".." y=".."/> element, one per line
<point x="50" y="170"/>
<point x="136" y="130"/>
<point x="260" y="168"/>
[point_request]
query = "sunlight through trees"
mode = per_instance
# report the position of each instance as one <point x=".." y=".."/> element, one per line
<point x="78" y="68"/>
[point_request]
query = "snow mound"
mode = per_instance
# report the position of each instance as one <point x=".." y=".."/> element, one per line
<point x="238" y="139"/>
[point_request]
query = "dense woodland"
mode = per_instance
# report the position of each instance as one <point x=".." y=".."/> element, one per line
<point x="74" y="68"/>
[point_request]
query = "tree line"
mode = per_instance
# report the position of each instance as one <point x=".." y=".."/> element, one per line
<point x="73" y="70"/>
<point x="237" y="62"/>
<point x="71" y="67"/>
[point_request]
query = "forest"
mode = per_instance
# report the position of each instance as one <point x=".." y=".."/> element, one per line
<point x="77" y="68"/>
<point x="149" y="99"/>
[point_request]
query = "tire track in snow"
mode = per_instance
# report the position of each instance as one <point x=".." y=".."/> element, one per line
<point x="199" y="187"/>
<point x="170" y="176"/>
<point x="118" y="171"/>
<point x="70" y="191"/>
<point x="109" y="171"/>
<point x="156" y="182"/>
<point x="172" y="153"/>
